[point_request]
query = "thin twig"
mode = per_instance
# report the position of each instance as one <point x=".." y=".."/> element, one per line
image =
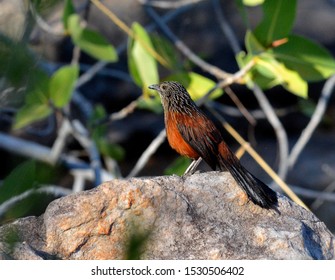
<point x="57" y="148"/>
<point x="41" y="153"/>
<point x="83" y="137"/>
<point x="150" y="150"/>
<point x="249" y="117"/>
<point x="257" y="114"/>
<point x="226" y="28"/>
<point x="180" y="45"/>
<point x="56" y="191"/>
<point x="43" y="24"/>
<point x="320" y="199"/>
<point x="98" y="66"/>
<point x="124" y="112"/>
<point x="278" y="128"/>
<point x="322" y="195"/>
<point x="315" y="120"/>
<point x="129" y="32"/>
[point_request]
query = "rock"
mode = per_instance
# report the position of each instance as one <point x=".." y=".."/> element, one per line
<point x="202" y="216"/>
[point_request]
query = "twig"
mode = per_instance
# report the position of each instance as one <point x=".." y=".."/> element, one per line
<point x="213" y="70"/>
<point x="315" y="120"/>
<point x="320" y="199"/>
<point x="57" y="148"/>
<point x="150" y="150"/>
<point x="257" y="114"/>
<point x="225" y="27"/>
<point x="43" y="24"/>
<point x="129" y="31"/>
<point x="82" y="135"/>
<point x="249" y="117"/>
<point x="322" y="195"/>
<point x="41" y="153"/>
<point x="278" y="128"/>
<point x="168" y="4"/>
<point x="124" y="111"/>
<point x="53" y="190"/>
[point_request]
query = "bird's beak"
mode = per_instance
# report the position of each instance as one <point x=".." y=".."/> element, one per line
<point x="154" y="87"/>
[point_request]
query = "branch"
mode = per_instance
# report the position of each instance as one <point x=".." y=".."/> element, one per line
<point x="41" y="153"/>
<point x="213" y="70"/>
<point x="278" y="128"/>
<point x="53" y="190"/>
<point x="150" y="150"/>
<point x="315" y="120"/>
<point x="43" y="24"/>
<point x="113" y="17"/>
<point x="225" y="27"/>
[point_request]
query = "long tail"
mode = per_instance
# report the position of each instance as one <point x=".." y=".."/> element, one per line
<point x="257" y="191"/>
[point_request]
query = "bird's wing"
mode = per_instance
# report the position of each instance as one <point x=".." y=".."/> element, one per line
<point x="202" y="135"/>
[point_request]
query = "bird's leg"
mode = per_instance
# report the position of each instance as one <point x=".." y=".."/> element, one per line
<point x="193" y="166"/>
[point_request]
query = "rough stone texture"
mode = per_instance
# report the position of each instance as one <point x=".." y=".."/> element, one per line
<point x="203" y="216"/>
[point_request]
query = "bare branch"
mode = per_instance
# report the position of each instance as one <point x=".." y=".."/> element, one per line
<point x="315" y="120"/>
<point x="319" y="200"/>
<point x="318" y="195"/>
<point x="151" y="149"/>
<point x="41" y="153"/>
<point x="257" y="114"/>
<point x="215" y="71"/>
<point x="43" y="24"/>
<point x="124" y="112"/>
<point x="278" y="128"/>
<point x="226" y="28"/>
<point x="240" y="106"/>
<point x="54" y="190"/>
<point x="82" y="135"/>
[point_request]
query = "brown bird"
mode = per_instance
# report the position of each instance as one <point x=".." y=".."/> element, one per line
<point x="191" y="133"/>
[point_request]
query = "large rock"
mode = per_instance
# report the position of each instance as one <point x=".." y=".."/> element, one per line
<point x="203" y="216"/>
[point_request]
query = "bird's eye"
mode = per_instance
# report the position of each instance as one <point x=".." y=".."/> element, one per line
<point x="163" y="87"/>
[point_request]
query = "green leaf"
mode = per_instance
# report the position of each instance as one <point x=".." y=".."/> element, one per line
<point x="277" y="22"/>
<point x="142" y="66"/>
<point x="252" y="45"/>
<point x="30" y="113"/>
<point x="253" y="2"/>
<point x="310" y="60"/>
<point x="19" y="66"/>
<point x="268" y="72"/>
<point x="307" y="107"/>
<point x="98" y="133"/>
<point x="291" y="80"/>
<point x="67" y="12"/>
<point x="150" y="103"/>
<point x="167" y="50"/>
<point x="110" y="149"/>
<point x="18" y="181"/>
<point x="178" y="166"/>
<point x="62" y="84"/>
<point x="196" y="84"/>
<point x="90" y="41"/>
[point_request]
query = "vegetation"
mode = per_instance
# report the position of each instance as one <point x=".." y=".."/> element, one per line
<point x="272" y="56"/>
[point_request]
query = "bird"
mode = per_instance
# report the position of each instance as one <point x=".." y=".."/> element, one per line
<point x="192" y="134"/>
